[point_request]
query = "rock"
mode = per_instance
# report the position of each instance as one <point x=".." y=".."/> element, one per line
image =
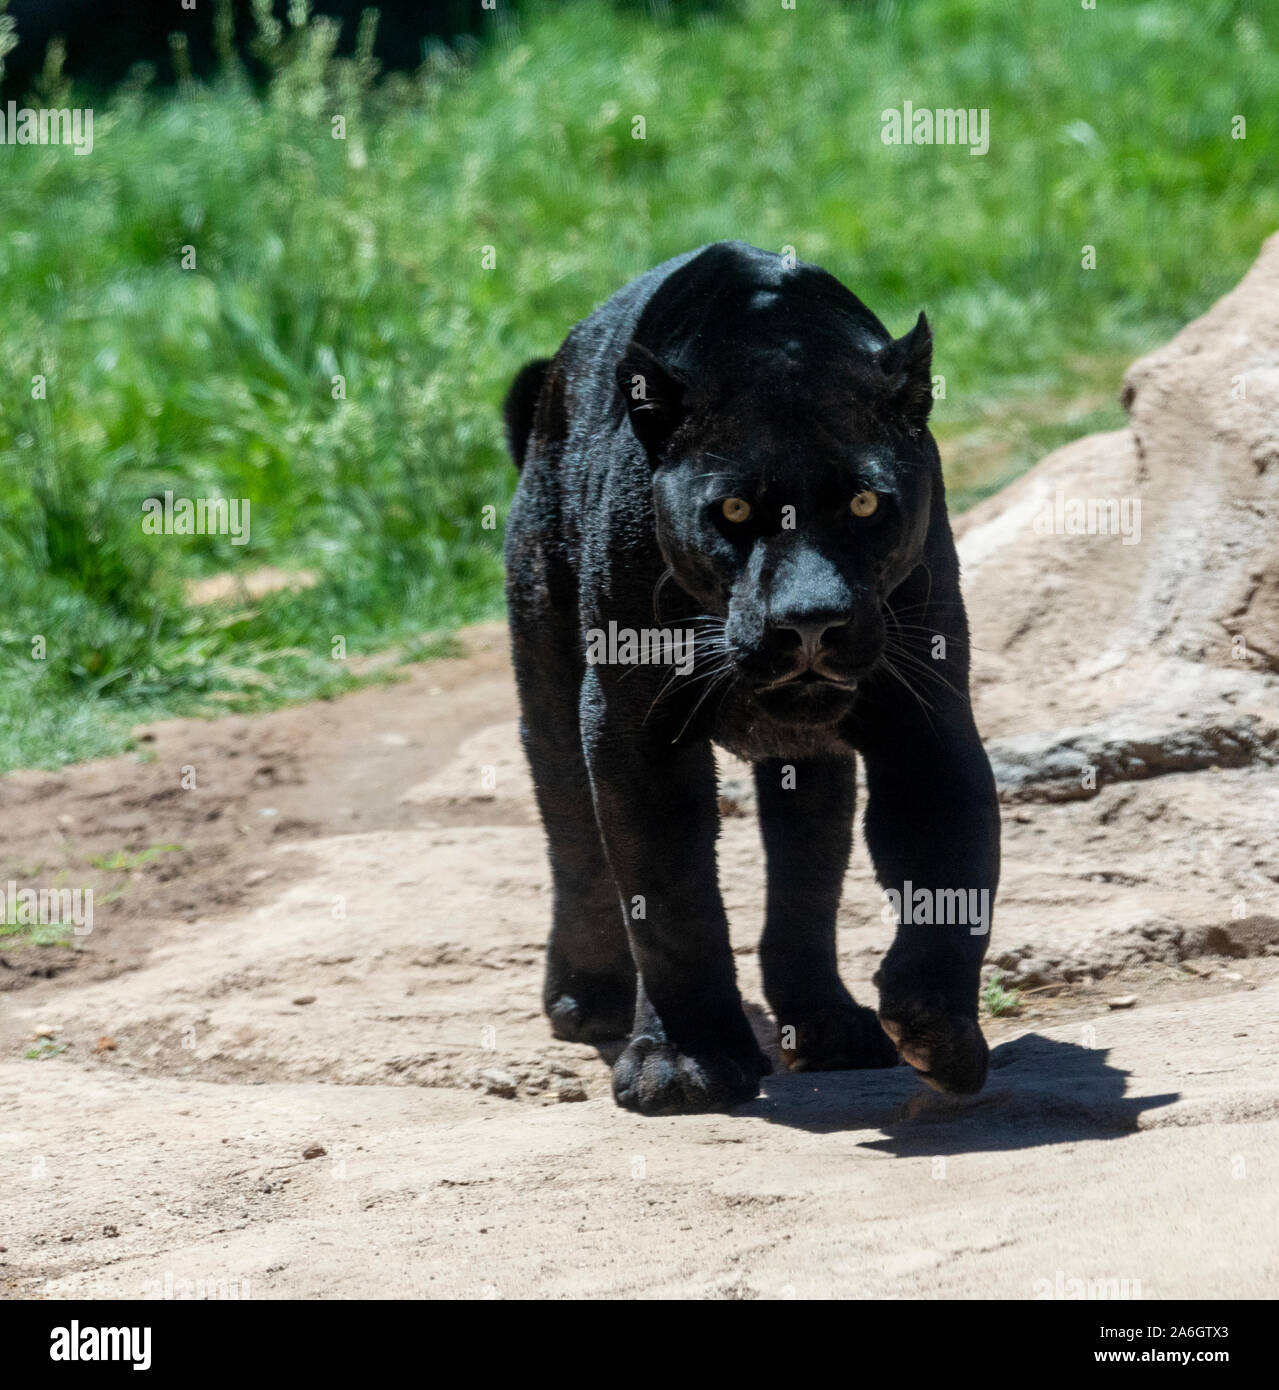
<point x="1254" y="935"/>
<point x="570" y="1091"/>
<point x="1033" y="971"/>
<point x="1074" y="764"/>
<point x="314" y="1151"/>
<point x="498" y="1083"/>
<point x="305" y="999"/>
<point x="1157" y="627"/>
<point x="1122" y="1001"/>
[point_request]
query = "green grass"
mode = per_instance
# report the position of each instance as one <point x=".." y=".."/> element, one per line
<point x="123" y="860"/>
<point x="363" y="257"/>
<point x="19" y="934"/>
<point x="998" y="1000"/>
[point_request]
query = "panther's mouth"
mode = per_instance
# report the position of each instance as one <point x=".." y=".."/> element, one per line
<point x="808" y="677"/>
<point x="806" y="697"/>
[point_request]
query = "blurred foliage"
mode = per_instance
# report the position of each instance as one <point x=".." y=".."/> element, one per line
<point x="363" y="258"/>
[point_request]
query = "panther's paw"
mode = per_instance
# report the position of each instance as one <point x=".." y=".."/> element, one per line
<point x="945" y="1047"/>
<point x="592" y="1013"/>
<point x="657" y="1078"/>
<point x="839" y="1036"/>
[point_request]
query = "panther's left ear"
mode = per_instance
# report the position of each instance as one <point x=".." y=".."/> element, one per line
<point x="653" y="395"/>
<point x="906" y="363"/>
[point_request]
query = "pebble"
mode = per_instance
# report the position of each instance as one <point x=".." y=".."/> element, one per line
<point x="314" y="1151"/>
<point x="1122" y="1001"/>
<point x="1033" y="971"/>
<point x="569" y="1090"/>
<point x="498" y="1083"/>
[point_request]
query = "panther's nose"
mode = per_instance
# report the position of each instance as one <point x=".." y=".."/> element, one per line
<point x="813" y="627"/>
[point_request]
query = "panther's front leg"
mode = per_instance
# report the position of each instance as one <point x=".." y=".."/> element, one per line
<point x="692" y="1048"/>
<point x="932" y="827"/>
<point x="806" y="819"/>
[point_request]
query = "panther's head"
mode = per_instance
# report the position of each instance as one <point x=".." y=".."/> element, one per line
<point x="793" y="478"/>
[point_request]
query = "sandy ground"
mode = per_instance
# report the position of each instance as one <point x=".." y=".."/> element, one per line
<point x="365" y="984"/>
<point x="301" y="1052"/>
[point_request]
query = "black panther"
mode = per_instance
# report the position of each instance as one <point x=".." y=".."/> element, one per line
<point x="734" y="448"/>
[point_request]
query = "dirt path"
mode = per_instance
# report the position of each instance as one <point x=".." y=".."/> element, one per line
<point x="466" y="1153"/>
<point x="301" y="1052"/>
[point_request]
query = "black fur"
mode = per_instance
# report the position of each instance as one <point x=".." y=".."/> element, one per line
<point x="725" y="373"/>
<point x="521" y="401"/>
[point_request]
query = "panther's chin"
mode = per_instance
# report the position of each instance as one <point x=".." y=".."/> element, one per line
<point x="807" y="699"/>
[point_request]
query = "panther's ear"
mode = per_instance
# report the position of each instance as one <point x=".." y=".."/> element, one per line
<point x="653" y="395"/>
<point x="906" y="363"/>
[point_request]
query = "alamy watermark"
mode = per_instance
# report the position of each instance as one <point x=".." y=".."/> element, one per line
<point x="937" y="907"/>
<point x="1060" y="515"/>
<point x="1061" y="1287"/>
<point x="47" y="907"/>
<point x="197" y="516"/>
<point x="24" y="125"/>
<point x="945" y="126"/>
<point x="181" y="1287"/>
<point x="71" y="1342"/>
<point x="645" y="646"/>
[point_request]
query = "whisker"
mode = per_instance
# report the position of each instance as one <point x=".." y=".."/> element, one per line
<point x="924" y="669"/>
<point x="691" y="679"/>
<point x="923" y="705"/>
<point x="930" y="603"/>
<point x="666" y="574"/>
<point x="699" y="704"/>
<point x="930" y="631"/>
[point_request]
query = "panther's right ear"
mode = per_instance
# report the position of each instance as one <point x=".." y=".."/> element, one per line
<point x="653" y="395"/>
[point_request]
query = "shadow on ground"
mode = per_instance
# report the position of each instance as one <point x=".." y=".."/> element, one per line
<point x="1040" y="1091"/>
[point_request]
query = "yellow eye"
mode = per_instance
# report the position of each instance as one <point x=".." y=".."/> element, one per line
<point x="864" y="504"/>
<point x="735" y="509"/>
